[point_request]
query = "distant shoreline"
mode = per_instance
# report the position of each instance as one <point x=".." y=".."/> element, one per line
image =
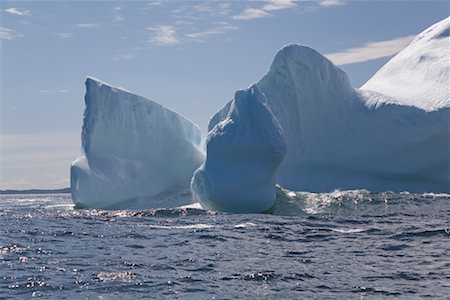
<point x="35" y="191"/>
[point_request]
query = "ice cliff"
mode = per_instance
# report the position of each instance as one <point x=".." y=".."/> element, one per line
<point x="419" y="75"/>
<point x="302" y="126"/>
<point x="135" y="152"/>
<point x="392" y="137"/>
<point x="244" y="152"/>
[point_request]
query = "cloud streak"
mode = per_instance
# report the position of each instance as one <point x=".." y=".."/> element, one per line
<point x="252" y="13"/>
<point x="64" y="35"/>
<point x="264" y="11"/>
<point x="52" y="91"/>
<point x="370" y="51"/>
<point x="17" y="11"/>
<point x="210" y="32"/>
<point x="124" y="56"/>
<point x="328" y="3"/>
<point x="163" y="35"/>
<point x="87" y="25"/>
<point x="279" y="5"/>
<point x="8" y="34"/>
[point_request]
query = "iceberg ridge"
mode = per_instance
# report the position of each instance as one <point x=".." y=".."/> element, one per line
<point x="339" y="137"/>
<point x="133" y="149"/>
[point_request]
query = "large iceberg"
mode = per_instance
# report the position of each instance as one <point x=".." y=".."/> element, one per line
<point x="135" y="152"/>
<point x="392" y="134"/>
<point x="395" y="136"/>
<point x="244" y="152"/>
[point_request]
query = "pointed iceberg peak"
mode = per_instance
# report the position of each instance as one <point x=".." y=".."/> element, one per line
<point x="304" y="65"/>
<point x="296" y="53"/>
<point x="92" y="82"/>
<point x="244" y="151"/>
<point x="305" y="69"/>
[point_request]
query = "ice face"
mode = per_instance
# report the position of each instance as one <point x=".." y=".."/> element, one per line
<point x="244" y="151"/>
<point x="342" y="138"/>
<point x="393" y="134"/>
<point x="136" y="153"/>
<point x="420" y="74"/>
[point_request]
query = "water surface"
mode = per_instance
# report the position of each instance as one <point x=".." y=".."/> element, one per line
<point x="339" y="245"/>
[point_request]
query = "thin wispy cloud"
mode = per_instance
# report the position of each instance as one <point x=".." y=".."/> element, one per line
<point x="252" y="13"/>
<point x="370" y="51"/>
<point x="163" y="35"/>
<point x="328" y="3"/>
<point x="279" y="5"/>
<point x="264" y="10"/>
<point x="201" y="35"/>
<point x="87" y="25"/>
<point x="52" y="91"/>
<point x="118" y="18"/>
<point x="223" y="9"/>
<point x="64" y="35"/>
<point x="155" y="3"/>
<point x="117" y="14"/>
<point x="202" y="11"/>
<point x="8" y="34"/>
<point x="152" y="4"/>
<point x="124" y="56"/>
<point x="17" y="11"/>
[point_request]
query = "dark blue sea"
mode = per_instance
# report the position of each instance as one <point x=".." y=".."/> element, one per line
<point x="341" y="245"/>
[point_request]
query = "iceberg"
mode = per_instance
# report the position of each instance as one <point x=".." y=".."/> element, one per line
<point x="419" y="75"/>
<point x="244" y="151"/>
<point x="135" y="152"/>
<point x="391" y="135"/>
<point x="302" y="127"/>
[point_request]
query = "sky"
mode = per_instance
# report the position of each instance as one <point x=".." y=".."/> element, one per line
<point x="190" y="56"/>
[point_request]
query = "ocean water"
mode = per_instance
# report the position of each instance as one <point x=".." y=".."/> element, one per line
<point x="342" y="245"/>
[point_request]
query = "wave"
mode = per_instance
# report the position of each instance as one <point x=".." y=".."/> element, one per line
<point x="287" y="203"/>
<point x="293" y="203"/>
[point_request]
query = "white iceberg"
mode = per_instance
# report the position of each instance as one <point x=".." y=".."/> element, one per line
<point x="135" y="152"/>
<point x="244" y="151"/>
<point x="419" y="75"/>
<point x="392" y="134"/>
<point x="339" y="137"/>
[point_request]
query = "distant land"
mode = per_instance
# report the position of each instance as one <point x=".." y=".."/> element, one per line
<point x="35" y="191"/>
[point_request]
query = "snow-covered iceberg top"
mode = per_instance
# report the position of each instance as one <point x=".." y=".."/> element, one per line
<point x="420" y="74"/>
<point x="135" y="152"/>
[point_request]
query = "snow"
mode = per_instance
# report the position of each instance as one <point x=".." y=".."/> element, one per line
<point x="419" y="75"/>
<point x="343" y="138"/>
<point x="244" y="151"/>
<point x="135" y="152"/>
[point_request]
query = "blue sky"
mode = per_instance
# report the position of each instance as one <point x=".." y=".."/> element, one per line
<point x="189" y="56"/>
